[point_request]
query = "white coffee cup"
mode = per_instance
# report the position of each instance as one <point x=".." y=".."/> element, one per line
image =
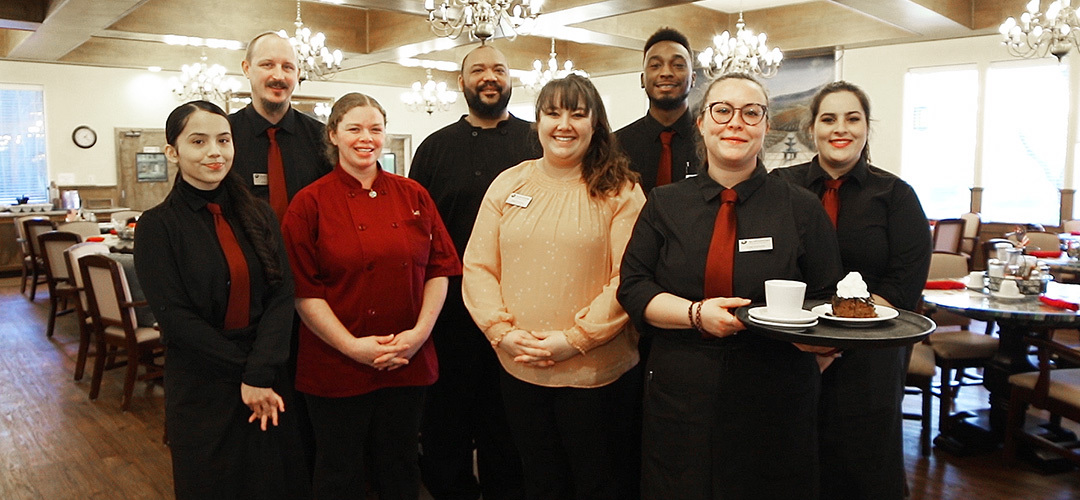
<point x="784" y="298"/>
<point x="976" y="279"/>
<point x="1009" y="288"/>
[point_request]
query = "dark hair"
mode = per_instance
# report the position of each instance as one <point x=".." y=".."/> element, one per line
<point x="667" y="34"/>
<point x="843" y="86"/>
<point x="251" y="217"/>
<point x="702" y="151"/>
<point x="343" y="105"/>
<point x="605" y="168"/>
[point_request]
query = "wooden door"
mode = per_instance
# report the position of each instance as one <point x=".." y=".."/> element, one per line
<point x="136" y="193"/>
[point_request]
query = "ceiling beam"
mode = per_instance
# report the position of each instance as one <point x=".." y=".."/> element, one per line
<point x="69" y="24"/>
<point x="916" y="18"/>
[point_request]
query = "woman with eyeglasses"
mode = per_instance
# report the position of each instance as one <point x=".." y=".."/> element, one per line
<point x="728" y="413"/>
<point x="881" y="228"/>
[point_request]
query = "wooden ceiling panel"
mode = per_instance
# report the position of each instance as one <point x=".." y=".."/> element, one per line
<point x="26" y="11"/>
<point x="9" y="39"/>
<point x="990" y="15"/>
<point x="697" y="23"/>
<point x="137" y="54"/>
<point x="816" y="25"/>
<point x="959" y="11"/>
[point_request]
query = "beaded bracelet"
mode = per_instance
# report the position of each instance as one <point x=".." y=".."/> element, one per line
<point x="690" y="314"/>
<point x="697" y="318"/>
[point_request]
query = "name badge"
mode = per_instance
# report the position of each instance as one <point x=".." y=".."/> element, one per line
<point x="519" y="200"/>
<point x="755" y="244"/>
<point x="260" y="179"/>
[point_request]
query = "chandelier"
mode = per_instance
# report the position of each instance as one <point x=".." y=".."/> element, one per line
<point x="480" y="18"/>
<point x="201" y="81"/>
<point x="316" y="61"/>
<point x="1037" y="34"/>
<point x="536" y="79"/>
<point x="743" y="53"/>
<point x="429" y="96"/>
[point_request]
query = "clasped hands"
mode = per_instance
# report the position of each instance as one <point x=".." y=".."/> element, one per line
<point x="387" y="352"/>
<point x="539" y="349"/>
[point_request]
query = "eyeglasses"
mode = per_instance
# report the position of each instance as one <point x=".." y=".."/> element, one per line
<point x="722" y="112"/>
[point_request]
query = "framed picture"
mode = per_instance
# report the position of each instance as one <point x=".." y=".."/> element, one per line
<point x="151" y="167"/>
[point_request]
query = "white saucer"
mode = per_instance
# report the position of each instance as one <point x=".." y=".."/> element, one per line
<point x="762" y="314"/>
<point x="787" y="326"/>
<point x="1008" y="298"/>
<point x="883" y="313"/>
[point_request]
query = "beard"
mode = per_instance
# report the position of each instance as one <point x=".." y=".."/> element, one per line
<point x="483" y="109"/>
<point x="668" y="103"/>
<point x="275" y="107"/>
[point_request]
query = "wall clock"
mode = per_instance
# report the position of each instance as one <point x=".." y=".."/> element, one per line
<point x="84" y="137"/>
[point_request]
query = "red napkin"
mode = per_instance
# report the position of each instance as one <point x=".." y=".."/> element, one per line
<point x="944" y="285"/>
<point x="1063" y="304"/>
<point x="1045" y="254"/>
<point x="95" y="238"/>
<point x="1074" y="233"/>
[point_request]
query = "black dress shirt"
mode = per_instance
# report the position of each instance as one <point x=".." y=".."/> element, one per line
<point x="881" y="228"/>
<point x="186" y="280"/>
<point x="670" y="243"/>
<point x="303" y="149"/>
<point x="457" y="163"/>
<point x="641" y="142"/>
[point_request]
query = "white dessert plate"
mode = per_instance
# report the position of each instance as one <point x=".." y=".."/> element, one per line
<point x="787" y="326"/>
<point x="762" y="313"/>
<point x="883" y="313"/>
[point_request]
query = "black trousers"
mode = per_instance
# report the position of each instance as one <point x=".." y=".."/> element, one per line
<point x="729" y="419"/>
<point x="861" y="433"/>
<point x="382" y="425"/>
<point x="574" y="443"/>
<point x="464" y="411"/>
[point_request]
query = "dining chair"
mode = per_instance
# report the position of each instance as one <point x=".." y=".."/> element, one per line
<point x="955" y="351"/>
<point x="1042" y="240"/>
<point x="1071" y="225"/>
<point x="24" y="249"/>
<point x="61" y="287"/>
<point x="83" y="228"/>
<point x="919" y="380"/>
<point x="970" y="241"/>
<point x="1052" y="388"/>
<point x="82" y="309"/>
<point x="947" y="235"/>
<point x="33" y="227"/>
<point x="113" y="314"/>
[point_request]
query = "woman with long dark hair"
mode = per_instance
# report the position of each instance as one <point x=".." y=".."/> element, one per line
<point x="541" y="271"/>
<point x="882" y="233"/>
<point x="213" y="266"/>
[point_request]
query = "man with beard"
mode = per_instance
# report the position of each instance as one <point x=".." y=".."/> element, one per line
<point x="464" y="408"/>
<point x="661" y="144"/>
<point x="279" y="150"/>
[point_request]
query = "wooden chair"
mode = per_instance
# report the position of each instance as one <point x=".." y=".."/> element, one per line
<point x="919" y="380"/>
<point x="31" y="228"/>
<point x="82" y="309"/>
<point x="82" y="228"/>
<point x="1042" y="240"/>
<point x="970" y="241"/>
<point x="1054" y="390"/>
<point x="61" y="287"/>
<point x="947" y="235"/>
<point x="113" y="315"/>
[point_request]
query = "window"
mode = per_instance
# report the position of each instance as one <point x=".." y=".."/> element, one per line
<point x="938" y="151"/>
<point x="1023" y="163"/>
<point x="23" y="170"/>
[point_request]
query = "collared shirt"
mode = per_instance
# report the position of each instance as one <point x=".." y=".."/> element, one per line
<point x="185" y="276"/>
<point x="303" y="149"/>
<point x="881" y="228"/>
<point x="641" y="142"/>
<point x="670" y="243"/>
<point x="368" y="258"/>
<point x="457" y="163"/>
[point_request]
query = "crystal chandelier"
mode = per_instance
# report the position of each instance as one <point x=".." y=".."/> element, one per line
<point x="536" y="79"/>
<point x="429" y="96"/>
<point x="316" y="61"/>
<point x="200" y="81"/>
<point x="480" y="18"/>
<point x="743" y="53"/>
<point x="1037" y="34"/>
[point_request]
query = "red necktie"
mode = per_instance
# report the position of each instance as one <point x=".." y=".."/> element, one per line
<point x="279" y="194"/>
<point x="663" y="169"/>
<point x="831" y="198"/>
<point x="236" y="315"/>
<point x="721" y="260"/>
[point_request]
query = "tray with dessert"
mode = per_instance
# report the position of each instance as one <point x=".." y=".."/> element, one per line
<point x="849" y="320"/>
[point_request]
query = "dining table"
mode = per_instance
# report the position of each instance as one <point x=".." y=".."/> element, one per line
<point x="1018" y="319"/>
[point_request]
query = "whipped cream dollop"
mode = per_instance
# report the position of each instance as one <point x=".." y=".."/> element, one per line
<point x="852" y="287"/>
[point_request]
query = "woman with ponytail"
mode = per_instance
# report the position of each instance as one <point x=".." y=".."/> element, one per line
<point x="215" y="272"/>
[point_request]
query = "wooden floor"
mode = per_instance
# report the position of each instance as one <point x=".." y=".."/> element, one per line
<point x="57" y="444"/>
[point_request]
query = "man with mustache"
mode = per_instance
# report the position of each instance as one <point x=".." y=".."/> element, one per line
<point x="661" y="144"/>
<point x="279" y="150"/>
<point x="464" y="408"/>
